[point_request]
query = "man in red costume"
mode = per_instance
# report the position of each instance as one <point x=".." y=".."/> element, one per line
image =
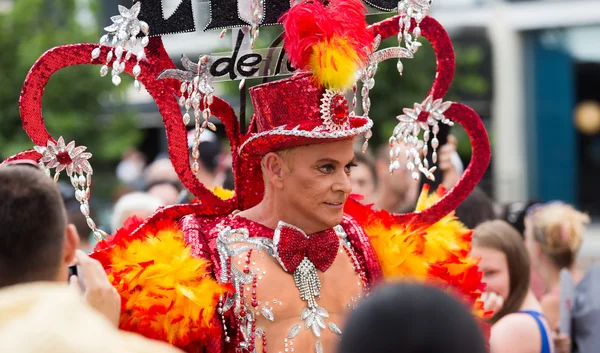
<point x="297" y="263"/>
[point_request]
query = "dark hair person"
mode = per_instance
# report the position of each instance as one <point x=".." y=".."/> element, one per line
<point x="32" y="239"/>
<point x="411" y="318"/>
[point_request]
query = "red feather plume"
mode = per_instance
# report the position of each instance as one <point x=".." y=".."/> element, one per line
<point x="311" y="23"/>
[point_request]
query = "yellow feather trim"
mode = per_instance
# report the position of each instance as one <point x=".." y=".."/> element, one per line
<point x="167" y="293"/>
<point x="434" y="253"/>
<point x="334" y="64"/>
<point x="222" y="193"/>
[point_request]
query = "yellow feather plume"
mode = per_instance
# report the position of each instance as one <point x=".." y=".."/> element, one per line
<point x="434" y="253"/>
<point x="334" y="64"/>
<point x="167" y="294"/>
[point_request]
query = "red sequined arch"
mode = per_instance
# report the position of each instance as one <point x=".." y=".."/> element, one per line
<point x="163" y="91"/>
<point x="480" y="159"/>
<point x="435" y="33"/>
<point x="31" y="155"/>
<point x="459" y="113"/>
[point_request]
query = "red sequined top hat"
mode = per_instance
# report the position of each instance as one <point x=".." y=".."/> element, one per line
<point x="329" y="45"/>
<point x="296" y="112"/>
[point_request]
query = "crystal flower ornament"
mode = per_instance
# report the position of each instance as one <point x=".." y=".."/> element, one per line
<point x="424" y="117"/>
<point x="197" y="93"/>
<point x="65" y="157"/>
<point x="75" y="162"/>
<point x="121" y="34"/>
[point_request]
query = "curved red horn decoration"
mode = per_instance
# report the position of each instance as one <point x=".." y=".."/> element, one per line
<point x="480" y="159"/>
<point x="32" y="155"/>
<point x="441" y="43"/>
<point x="161" y="90"/>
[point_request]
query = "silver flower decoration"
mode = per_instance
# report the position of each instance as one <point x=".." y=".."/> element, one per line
<point x="197" y="93"/>
<point x="124" y="31"/>
<point x="412" y="122"/>
<point x="65" y="157"/>
<point x="127" y="24"/>
<point x="74" y="160"/>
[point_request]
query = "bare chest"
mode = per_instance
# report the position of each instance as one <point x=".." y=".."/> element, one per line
<point x="274" y="310"/>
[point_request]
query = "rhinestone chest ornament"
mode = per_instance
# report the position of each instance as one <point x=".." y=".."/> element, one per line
<point x="298" y="254"/>
<point x="302" y="255"/>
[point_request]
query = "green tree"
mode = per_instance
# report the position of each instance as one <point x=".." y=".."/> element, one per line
<point x="75" y="99"/>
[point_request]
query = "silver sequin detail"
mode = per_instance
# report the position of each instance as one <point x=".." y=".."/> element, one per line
<point x="334" y="328"/>
<point x="318" y="347"/>
<point x="267" y="313"/>
<point x="294" y="331"/>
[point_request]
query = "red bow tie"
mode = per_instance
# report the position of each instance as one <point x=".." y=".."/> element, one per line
<point x="293" y="245"/>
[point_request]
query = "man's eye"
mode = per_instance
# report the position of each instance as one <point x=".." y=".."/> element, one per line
<point x="349" y="167"/>
<point x="328" y="168"/>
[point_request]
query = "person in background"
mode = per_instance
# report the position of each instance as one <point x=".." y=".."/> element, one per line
<point x="161" y="181"/>
<point x="553" y="234"/>
<point x="518" y="324"/>
<point x="398" y="192"/>
<point x="476" y="209"/>
<point x="364" y="177"/>
<point x="39" y="311"/>
<point x="411" y="318"/>
<point x="514" y="213"/>
<point x="210" y="160"/>
<point x="130" y="169"/>
<point x="450" y="163"/>
<point x="138" y="204"/>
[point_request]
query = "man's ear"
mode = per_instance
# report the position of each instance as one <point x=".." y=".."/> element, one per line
<point x="71" y="244"/>
<point x="272" y="164"/>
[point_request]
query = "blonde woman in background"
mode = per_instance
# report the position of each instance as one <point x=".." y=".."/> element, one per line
<point x="553" y="234"/>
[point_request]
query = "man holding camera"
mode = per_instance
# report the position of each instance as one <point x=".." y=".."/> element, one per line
<point x="39" y="312"/>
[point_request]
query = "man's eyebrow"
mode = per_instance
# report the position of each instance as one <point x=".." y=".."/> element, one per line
<point x="334" y="161"/>
<point x="328" y="160"/>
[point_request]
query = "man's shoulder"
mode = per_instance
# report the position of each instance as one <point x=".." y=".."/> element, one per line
<point x="200" y="233"/>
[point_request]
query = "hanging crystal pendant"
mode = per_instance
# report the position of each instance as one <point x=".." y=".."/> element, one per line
<point x="124" y="31"/>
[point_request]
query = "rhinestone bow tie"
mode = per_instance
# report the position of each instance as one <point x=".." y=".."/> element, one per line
<point x="293" y="246"/>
